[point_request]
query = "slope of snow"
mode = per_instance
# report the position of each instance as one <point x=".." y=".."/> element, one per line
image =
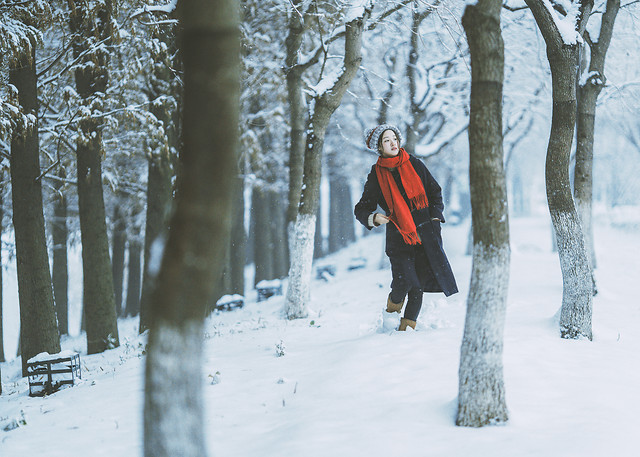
<point x="335" y="383"/>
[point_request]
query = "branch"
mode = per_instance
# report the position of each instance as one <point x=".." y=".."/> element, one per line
<point x="432" y="148"/>
<point x="74" y="62"/>
<point x="56" y="60"/>
<point x="314" y="57"/>
<point x="546" y="19"/>
<point x="507" y="7"/>
<point x="7" y="4"/>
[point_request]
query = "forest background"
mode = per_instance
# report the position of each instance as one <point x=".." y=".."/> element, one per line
<point x="414" y="73"/>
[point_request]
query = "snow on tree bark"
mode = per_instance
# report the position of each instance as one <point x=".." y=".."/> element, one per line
<point x="481" y="393"/>
<point x="296" y="114"/>
<point x="193" y="257"/>
<point x="562" y="53"/>
<point x="298" y="291"/>
<point x="328" y="95"/>
<point x="91" y="23"/>
<point x="588" y="91"/>
<point x="39" y="328"/>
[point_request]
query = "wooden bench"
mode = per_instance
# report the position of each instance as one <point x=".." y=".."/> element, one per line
<point x="229" y="302"/>
<point x="326" y="272"/>
<point x="267" y="289"/>
<point x="47" y="373"/>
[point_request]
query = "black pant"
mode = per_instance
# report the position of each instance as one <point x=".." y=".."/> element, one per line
<point x="414" y="302"/>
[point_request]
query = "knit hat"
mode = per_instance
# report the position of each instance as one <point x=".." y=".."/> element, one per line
<point x="371" y="136"/>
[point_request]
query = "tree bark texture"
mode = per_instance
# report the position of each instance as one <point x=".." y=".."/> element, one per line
<point x="39" y="328"/>
<point x="160" y="171"/>
<point x="341" y="228"/>
<point x="481" y="392"/>
<point x="279" y="235"/>
<point x="2" y="358"/>
<point x="60" y="268"/>
<point x="417" y="106"/>
<point x="118" y="242"/>
<point x="238" y="239"/>
<point x="159" y="202"/>
<point x="588" y="92"/>
<point x="92" y="77"/>
<point x="262" y="240"/>
<point x="200" y="226"/>
<point x="296" y="112"/>
<point x="132" y="304"/>
<point x="576" y="311"/>
<point x="325" y="104"/>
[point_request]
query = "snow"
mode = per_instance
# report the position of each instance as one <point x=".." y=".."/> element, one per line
<point x="356" y="10"/>
<point x="268" y="283"/>
<point x="45" y="356"/>
<point x="566" y="24"/>
<point x="338" y="383"/>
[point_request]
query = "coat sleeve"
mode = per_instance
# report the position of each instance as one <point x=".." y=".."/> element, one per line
<point x="369" y="200"/>
<point x="432" y="189"/>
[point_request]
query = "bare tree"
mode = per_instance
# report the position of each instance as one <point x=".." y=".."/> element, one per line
<point x="327" y="98"/>
<point x="481" y="395"/>
<point x="199" y="234"/>
<point x="589" y="87"/>
<point x="561" y="33"/>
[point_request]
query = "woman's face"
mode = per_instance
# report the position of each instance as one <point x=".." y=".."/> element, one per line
<point x="389" y="144"/>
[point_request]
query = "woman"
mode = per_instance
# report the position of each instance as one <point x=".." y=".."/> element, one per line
<point x="411" y="199"/>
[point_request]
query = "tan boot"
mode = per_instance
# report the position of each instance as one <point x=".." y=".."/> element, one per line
<point x="404" y="323"/>
<point x="394" y="307"/>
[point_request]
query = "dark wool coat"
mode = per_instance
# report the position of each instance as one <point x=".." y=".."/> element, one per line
<point x="435" y="275"/>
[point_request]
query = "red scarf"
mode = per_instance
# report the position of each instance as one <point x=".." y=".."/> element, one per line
<point x="400" y="212"/>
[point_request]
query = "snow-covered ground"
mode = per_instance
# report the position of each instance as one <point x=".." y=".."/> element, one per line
<point x="336" y="384"/>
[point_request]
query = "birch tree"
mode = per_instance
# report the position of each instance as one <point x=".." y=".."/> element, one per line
<point x="199" y="234"/>
<point x="561" y="25"/>
<point x="481" y="394"/>
<point x="591" y="83"/>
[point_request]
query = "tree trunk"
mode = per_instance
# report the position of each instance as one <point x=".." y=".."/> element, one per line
<point x="159" y="174"/>
<point x="118" y="241"/>
<point x="576" y="312"/>
<point x="296" y="302"/>
<point x="91" y="81"/>
<point x="2" y="358"/>
<point x="173" y="411"/>
<point x="318" y="238"/>
<point x="416" y="105"/>
<point x="60" y="270"/>
<point x="296" y="115"/>
<point x="132" y="306"/>
<point x="262" y="242"/>
<point x="481" y="394"/>
<point x="341" y="228"/>
<point x="588" y="92"/>
<point x="238" y="239"/>
<point x="279" y="236"/>
<point x="416" y="113"/>
<point x="159" y="200"/>
<point x="39" y="328"/>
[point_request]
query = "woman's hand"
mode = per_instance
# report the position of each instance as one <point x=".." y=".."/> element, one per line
<point x="379" y="219"/>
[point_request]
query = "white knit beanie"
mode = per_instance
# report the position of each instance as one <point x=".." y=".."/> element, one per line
<point x="371" y="136"/>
